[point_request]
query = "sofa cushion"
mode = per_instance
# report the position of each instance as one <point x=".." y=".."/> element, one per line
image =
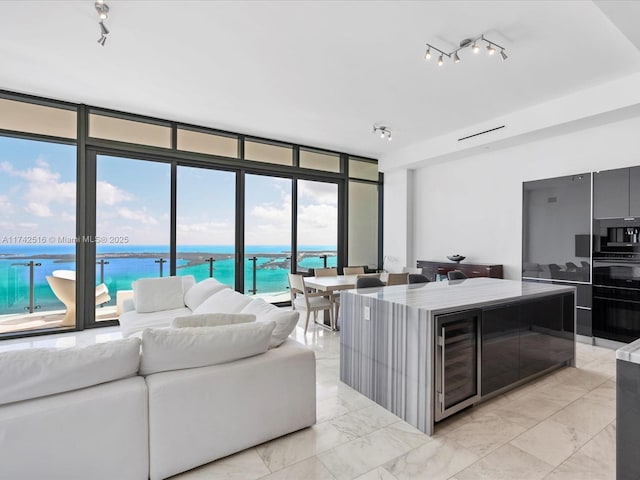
<point x="225" y="301"/>
<point x="175" y="349"/>
<point x="37" y="372"/>
<point x="155" y="294"/>
<point x="212" y="319"/>
<point x="286" y="320"/>
<point x="132" y="323"/>
<point x="201" y="291"/>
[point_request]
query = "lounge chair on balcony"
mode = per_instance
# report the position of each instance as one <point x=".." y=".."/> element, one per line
<point x="63" y="284"/>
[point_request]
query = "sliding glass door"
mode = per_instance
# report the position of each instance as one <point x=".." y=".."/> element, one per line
<point x="37" y="235"/>
<point x="317" y="225"/>
<point x="132" y="226"/>
<point x="267" y="248"/>
<point x="206" y="226"/>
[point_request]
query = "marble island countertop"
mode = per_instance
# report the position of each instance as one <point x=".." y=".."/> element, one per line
<point x="630" y="353"/>
<point x="469" y="293"/>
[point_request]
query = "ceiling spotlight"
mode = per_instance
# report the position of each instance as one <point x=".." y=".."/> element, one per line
<point x="474" y="43"/>
<point x="383" y="131"/>
<point x="103" y="13"/>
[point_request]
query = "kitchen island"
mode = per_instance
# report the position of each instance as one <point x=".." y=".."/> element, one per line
<point x="426" y="351"/>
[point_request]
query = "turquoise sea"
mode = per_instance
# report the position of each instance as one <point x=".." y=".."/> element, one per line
<point x="127" y="263"/>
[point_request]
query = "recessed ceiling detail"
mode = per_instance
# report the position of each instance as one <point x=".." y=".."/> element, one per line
<point x="475" y="44"/>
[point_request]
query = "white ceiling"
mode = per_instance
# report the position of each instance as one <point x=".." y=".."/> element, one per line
<point x="316" y="73"/>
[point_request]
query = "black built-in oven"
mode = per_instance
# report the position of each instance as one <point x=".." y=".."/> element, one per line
<point x="616" y="286"/>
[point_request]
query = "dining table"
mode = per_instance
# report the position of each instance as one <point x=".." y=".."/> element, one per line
<point x="334" y="283"/>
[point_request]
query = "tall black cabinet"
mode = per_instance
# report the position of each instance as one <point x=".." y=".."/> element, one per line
<point x="556" y="237"/>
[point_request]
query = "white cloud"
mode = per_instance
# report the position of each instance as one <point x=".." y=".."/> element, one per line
<point x="6" y="208"/>
<point x="141" y="215"/>
<point x="38" y="209"/>
<point x="318" y="192"/>
<point x="109" y="194"/>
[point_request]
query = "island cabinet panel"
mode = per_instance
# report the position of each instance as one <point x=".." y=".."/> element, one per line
<point x="524" y="339"/>
<point x="500" y="347"/>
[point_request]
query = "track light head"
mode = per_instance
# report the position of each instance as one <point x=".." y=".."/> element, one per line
<point x="475" y="43"/>
<point x="103" y="29"/>
<point x="103" y="40"/>
<point x="383" y="131"/>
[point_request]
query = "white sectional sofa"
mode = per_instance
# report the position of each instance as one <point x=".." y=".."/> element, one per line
<point x="188" y="397"/>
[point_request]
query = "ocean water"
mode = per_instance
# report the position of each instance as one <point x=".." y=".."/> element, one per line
<point x="127" y="263"/>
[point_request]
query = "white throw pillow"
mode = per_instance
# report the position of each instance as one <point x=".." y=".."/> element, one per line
<point x="212" y="319"/>
<point x="225" y="301"/>
<point x="155" y="294"/>
<point x="38" y="372"/>
<point x="201" y="291"/>
<point x="286" y="320"/>
<point x="178" y="348"/>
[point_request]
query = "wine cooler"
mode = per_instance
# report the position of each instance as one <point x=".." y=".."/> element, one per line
<point x="457" y="362"/>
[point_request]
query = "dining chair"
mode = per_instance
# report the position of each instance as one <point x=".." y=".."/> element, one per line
<point x="303" y="299"/>
<point x="353" y="270"/>
<point x="368" y="281"/>
<point x="326" y="272"/>
<point x="397" y="278"/>
<point x="456" y="275"/>
<point x="417" y="278"/>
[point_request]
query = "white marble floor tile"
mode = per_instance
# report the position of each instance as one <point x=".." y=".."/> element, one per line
<point x="246" y="465"/>
<point x="486" y="433"/>
<point x="300" y="445"/>
<point x="364" y="421"/>
<point x="585" y="379"/>
<point x="530" y="410"/>
<point x="596" y="460"/>
<point x="309" y="469"/>
<point x="551" y="441"/>
<point x="357" y="457"/>
<point x="586" y="416"/>
<point x="407" y="434"/>
<point x="506" y="463"/>
<point x="439" y="459"/>
<point x="604" y="394"/>
<point x="379" y="473"/>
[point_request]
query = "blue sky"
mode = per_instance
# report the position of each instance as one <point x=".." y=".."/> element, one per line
<point x="37" y="197"/>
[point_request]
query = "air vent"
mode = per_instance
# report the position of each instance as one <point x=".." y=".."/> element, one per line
<point x="481" y="133"/>
<point x="552" y="200"/>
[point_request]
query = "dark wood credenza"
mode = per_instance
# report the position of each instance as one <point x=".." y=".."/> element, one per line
<point x="432" y="269"/>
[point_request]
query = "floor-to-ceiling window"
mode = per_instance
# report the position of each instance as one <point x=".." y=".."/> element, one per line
<point x="37" y="218"/>
<point x="145" y="197"/>
<point x="267" y="248"/>
<point x="206" y="224"/>
<point x="132" y="225"/>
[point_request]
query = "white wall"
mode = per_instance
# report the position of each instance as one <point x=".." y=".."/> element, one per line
<point x="473" y="206"/>
<point x="398" y="247"/>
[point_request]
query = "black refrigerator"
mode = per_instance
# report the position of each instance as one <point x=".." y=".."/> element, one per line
<point x="557" y="239"/>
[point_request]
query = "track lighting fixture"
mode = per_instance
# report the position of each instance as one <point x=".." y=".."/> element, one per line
<point x="467" y="42"/>
<point x="103" y="13"/>
<point x="383" y="131"/>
